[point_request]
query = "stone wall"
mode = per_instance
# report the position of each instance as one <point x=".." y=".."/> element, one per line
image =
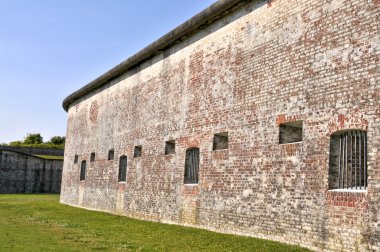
<point x="34" y="150"/>
<point x="22" y="173"/>
<point x="264" y="65"/>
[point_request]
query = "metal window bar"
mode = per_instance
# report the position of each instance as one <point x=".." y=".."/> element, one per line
<point x="196" y="168"/>
<point x="355" y="162"/>
<point x="343" y="159"/>
<point x="340" y="160"/>
<point x="351" y="153"/>
<point x="347" y="160"/>
<point x="365" y="161"/>
<point x="360" y="160"/>
<point x="352" y="160"/>
<point x="187" y="168"/>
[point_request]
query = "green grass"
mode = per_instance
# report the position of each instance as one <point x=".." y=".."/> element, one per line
<point x="50" y="157"/>
<point x="40" y="223"/>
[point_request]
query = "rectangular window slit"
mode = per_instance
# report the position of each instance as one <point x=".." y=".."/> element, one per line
<point x="220" y="141"/>
<point x="169" y="147"/>
<point x="83" y="170"/>
<point x="111" y="154"/>
<point x="122" y="177"/>
<point x="138" y="151"/>
<point x="291" y="132"/>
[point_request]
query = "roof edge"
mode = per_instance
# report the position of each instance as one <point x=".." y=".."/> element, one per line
<point x="179" y="32"/>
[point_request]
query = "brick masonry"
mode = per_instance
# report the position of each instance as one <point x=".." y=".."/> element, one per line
<point x="262" y="65"/>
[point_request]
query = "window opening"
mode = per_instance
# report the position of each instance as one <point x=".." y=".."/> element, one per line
<point x="92" y="158"/>
<point x="191" y="166"/>
<point x="169" y="147"/>
<point x="291" y="132"/>
<point x="220" y="141"/>
<point x="83" y="170"/>
<point x="111" y="154"/>
<point x="348" y="160"/>
<point x="123" y="162"/>
<point x="138" y="150"/>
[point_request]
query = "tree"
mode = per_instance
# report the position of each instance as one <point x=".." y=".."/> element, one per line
<point x="57" y="140"/>
<point x="15" y="143"/>
<point x="34" y="138"/>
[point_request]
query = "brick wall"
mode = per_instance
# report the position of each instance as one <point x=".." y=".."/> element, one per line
<point x="264" y="65"/>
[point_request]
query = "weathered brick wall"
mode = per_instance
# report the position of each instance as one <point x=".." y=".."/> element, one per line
<point x="20" y="173"/>
<point x="266" y="64"/>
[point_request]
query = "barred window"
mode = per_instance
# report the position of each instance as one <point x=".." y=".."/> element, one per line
<point x="75" y="159"/>
<point x="111" y="154"/>
<point x="123" y="169"/>
<point x="191" y="166"/>
<point x="83" y="170"/>
<point x="348" y="160"/>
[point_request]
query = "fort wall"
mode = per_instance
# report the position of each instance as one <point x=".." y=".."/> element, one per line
<point x="306" y="69"/>
<point x="23" y="173"/>
<point x="33" y="150"/>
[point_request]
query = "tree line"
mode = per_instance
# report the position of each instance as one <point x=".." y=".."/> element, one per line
<point x="36" y="140"/>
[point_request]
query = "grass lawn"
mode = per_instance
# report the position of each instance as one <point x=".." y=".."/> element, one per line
<point x="40" y="223"/>
<point x="50" y="157"/>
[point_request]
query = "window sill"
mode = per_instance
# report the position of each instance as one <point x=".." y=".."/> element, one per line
<point x="121" y="186"/>
<point x="190" y="190"/>
<point x="170" y="155"/>
<point x="221" y="150"/>
<point x="300" y="142"/>
<point x="353" y="190"/>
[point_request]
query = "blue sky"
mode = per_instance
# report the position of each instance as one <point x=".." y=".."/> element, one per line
<point x="48" y="49"/>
